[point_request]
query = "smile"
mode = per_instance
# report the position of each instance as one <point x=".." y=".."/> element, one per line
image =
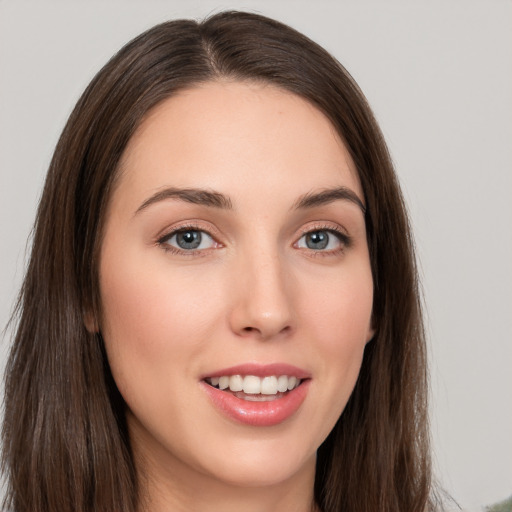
<point x="258" y="395"/>
<point x="254" y="388"/>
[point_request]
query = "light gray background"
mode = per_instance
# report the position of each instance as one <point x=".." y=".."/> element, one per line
<point x="439" y="77"/>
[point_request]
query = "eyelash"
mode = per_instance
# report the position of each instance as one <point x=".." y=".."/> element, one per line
<point x="162" y="241"/>
<point x="344" y="239"/>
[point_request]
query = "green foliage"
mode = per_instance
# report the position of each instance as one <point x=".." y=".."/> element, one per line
<point x="503" y="506"/>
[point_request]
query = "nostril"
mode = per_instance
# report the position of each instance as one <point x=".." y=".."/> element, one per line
<point x="263" y="333"/>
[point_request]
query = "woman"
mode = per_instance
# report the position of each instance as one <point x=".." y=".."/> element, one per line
<point x="221" y="307"/>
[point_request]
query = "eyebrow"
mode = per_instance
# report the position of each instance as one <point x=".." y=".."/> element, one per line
<point x="214" y="199"/>
<point x="190" y="195"/>
<point x="326" y="196"/>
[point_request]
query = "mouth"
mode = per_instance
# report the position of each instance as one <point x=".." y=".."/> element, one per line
<point x="254" y="388"/>
<point x="258" y="395"/>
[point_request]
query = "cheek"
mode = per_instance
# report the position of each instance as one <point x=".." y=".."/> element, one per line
<point x="152" y="321"/>
<point x="340" y="320"/>
<point x="341" y="310"/>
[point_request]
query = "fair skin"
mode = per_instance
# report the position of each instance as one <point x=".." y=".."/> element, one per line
<point x="247" y="273"/>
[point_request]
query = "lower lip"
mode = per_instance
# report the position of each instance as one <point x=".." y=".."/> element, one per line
<point x="258" y="414"/>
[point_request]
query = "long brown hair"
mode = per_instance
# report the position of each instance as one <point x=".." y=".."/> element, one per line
<point x="65" y="442"/>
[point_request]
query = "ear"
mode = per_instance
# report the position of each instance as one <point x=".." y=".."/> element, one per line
<point x="90" y="322"/>
<point x="371" y="331"/>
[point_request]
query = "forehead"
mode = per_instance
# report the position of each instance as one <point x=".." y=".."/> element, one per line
<point x="235" y="136"/>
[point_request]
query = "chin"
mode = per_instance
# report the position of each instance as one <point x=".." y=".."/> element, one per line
<point x="263" y="464"/>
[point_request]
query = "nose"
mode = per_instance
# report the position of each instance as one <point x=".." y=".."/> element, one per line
<point x="262" y="298"/>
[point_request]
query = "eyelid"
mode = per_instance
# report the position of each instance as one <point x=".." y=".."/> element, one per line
<point x="324" y="226"/>
<point x="193" y="224"/>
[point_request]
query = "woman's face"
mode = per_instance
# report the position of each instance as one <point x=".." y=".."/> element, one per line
<point x="235" y="254"/>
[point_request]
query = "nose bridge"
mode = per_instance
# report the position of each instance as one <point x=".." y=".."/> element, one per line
<point x="263" y="303"/>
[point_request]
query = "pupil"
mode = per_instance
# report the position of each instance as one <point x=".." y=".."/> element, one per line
<point x="189" y="239"/>
<point x="317" y="240"/>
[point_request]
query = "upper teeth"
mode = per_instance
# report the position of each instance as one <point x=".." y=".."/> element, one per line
<point x="253" y="385"/>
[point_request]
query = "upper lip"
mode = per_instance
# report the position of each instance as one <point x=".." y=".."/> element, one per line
<point x="261" y="370"/>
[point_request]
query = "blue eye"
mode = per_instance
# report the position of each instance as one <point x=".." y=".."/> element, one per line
<point x="320" y="240"/>
<point x="189" y="240"/>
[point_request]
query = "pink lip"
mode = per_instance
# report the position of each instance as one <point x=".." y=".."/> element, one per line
<point x="259" y="414"/>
